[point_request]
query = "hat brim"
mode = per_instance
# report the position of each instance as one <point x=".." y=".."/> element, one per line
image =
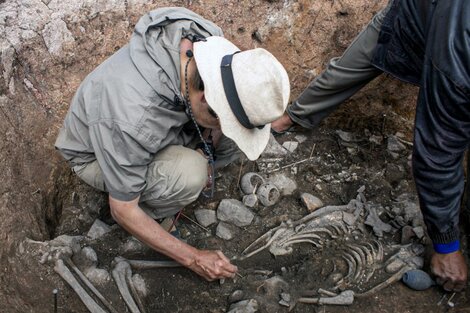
<point x="208" y="55"/>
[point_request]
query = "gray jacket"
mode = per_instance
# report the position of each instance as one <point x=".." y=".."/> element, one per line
<point x="126" y="110"/>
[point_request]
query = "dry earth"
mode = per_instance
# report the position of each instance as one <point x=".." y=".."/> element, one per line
<point x="47" y="47"/>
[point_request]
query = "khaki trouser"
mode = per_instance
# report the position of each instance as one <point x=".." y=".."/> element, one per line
<point x="175" y="177"/>
<point x="343" y="77"/>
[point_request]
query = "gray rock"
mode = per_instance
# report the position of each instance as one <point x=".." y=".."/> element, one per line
<point x="250" y="200"/>
<point x="224" y="231"/>
<point x="376" y="139"/>
<point x="419" y="231"/>
<point x="132" y="246"/>
<point x="245" y="306"/>
<point x="285" y="185"/>
<point x="56" y="34"/>
<point x="236" y="296"/>
<point x="97" y="276"/>
<point x="86" y="258"/>
<point x="300" y="138"/>
<point x="140" y="285"/>
<point x="273" y="148"/>
<point x="234" y="212"/>
<point x="347" y="136"/>
<point x="205" y="217"/>
<point x="285" y="299"/>
<point x="291" y="146"/>
<point x="98" y="229"/>
<point x="310" y="201"/>
<point x="394" y="145"/>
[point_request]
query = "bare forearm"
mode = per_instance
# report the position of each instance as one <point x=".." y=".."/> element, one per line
<point x="209" y="264"/>
<point x="133" y="219"/>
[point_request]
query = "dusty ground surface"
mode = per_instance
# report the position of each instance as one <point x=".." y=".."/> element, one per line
<point x="48" y="47"/>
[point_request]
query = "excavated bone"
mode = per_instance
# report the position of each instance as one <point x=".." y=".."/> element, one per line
<point x="395" y="277"/>
<point x="268" y="194"/>
<point x="280" y="238"/>
<point x="122" y="275"/>
<point x="376" y="223"/>
<point x="147" y="265"/>
<point x="67" y="275"/>
<point x="250" y="182"/>
<point x="90" y="285"/>
<point x="344" y="298"/>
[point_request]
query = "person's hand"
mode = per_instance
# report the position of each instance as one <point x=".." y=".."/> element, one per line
<point x="213" y="265"/>
<point x="450" y="270"/>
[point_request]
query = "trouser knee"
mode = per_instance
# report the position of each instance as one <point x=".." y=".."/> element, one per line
<point x="175" y="178"/>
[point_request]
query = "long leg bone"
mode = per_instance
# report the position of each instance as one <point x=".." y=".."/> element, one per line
<point x="147" y="265"/>
<point x="120" y="272"/>
<point x="90" y="285"/>
<point x="61" y="269"/>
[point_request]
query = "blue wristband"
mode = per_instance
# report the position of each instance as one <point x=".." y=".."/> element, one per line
<point x="445" y="248"/>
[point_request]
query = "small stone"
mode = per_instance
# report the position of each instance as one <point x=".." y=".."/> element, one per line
<point x="224" y="231"/>
<point x="245" y="306"/>
<point x="132" y="246"/>
<point x="234" y="212"/>
<point x="97" y="276"/>
<point x="407" y="235"/>
<point x="346" y="136"/>
<point x="285" y="185"/>
<point x="140" y="285"/>
<point x="273" y="148"/>
<point x="394" y="145"/>
<point x="318" y="187"/>
<point x="86" y="258"/>
<point x="250" y="200"/>
<point x="311" y="202"/>
<point x="300" y="138"/>
<point x="291" y="146"/>
<point x="205" y="217"/>
<point x="285" y="296"/>
<point x="376" y="139"/>
<point x="98" y="229"/>
<point x="419" y="231"/>
<point x="236" y="296"/>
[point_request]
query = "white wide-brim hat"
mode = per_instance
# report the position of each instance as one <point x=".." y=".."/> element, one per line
<point x="262" y="85"/>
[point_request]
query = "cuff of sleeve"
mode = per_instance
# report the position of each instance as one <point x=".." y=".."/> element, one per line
<point x="123" y="196"/>
<point x="445" y="238"/>
<point x="445" y="248"/>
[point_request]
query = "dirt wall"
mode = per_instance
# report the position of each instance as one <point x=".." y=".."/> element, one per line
<point x="47" y="47"/>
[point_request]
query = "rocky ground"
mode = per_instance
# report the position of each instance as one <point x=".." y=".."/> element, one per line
<point x="48" y="47"/>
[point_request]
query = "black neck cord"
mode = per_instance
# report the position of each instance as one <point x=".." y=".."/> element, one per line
<point x="189" y="111"/>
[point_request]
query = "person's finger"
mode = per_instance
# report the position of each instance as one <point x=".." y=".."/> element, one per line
<point x="222" y="256"/>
